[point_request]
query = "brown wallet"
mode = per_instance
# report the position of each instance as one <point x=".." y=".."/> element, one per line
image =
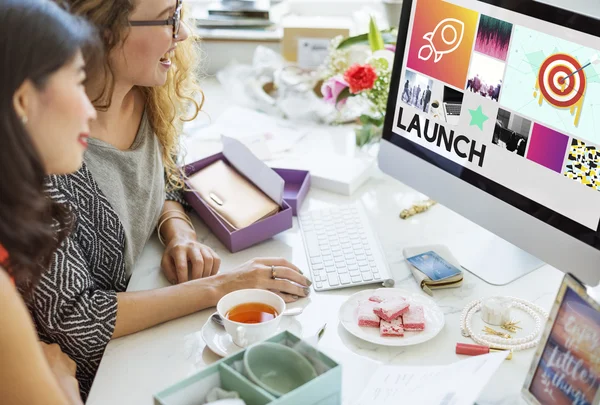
<point x="232" y="197"/>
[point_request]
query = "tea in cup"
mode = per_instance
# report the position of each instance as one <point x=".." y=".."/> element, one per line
<point x="251" y="315"/>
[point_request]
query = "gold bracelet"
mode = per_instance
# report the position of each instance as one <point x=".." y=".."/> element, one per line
<point x="167" y="211"/>
<point x="184" y="218"/>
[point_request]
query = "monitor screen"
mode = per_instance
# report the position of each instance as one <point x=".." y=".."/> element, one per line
<point x="529" y="121"/>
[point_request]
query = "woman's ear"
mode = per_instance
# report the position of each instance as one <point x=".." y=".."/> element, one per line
<point x="107" y="35"/>
<point x="23" y="99"/>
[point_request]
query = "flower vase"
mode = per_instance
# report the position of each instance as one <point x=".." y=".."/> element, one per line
<point x="370" y="130"/>
<point x="368" y="134"/>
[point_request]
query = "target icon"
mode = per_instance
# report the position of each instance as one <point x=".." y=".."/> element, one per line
<point x="561" y="82"/>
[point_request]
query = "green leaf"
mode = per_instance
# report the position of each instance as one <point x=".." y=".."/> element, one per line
<point x="366" y="134"/>
<point x="375" y="39"/>
<point x="367" y="119"/>
<point x="388" y="36"/>
<point x="343" y="95"/>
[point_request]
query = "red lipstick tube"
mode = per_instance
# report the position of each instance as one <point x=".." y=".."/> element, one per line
<point x="476" y="350"/>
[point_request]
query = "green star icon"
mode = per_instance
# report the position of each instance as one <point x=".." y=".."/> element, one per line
<point x="478" y="117"/>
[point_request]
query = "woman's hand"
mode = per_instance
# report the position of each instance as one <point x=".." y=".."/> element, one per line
<point x="64" y="370"/>
<point x="288" y="281"/>
<point x="183" y="253"/>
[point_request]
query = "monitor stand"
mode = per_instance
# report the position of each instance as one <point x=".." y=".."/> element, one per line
<point x="491" y="258"/>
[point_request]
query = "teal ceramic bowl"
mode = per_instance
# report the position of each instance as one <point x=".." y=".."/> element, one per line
<point x="277" y="368"/>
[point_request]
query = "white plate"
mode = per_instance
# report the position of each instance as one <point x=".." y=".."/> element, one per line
<point x="220" y="342"/>
<point x="434" y="318"/>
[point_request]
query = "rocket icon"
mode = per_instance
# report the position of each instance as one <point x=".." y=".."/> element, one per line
<point x="445" y="38"/>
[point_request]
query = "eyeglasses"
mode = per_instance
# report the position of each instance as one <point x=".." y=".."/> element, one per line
<point x="175" y="21"/>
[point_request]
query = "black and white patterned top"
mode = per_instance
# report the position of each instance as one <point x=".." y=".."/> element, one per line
<point x="75" y="302"/>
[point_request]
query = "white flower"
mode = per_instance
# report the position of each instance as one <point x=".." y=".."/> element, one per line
<point x="358" y="54"/>
<point x="384" y="57"/>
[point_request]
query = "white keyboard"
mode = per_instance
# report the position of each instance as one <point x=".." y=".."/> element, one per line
<point x="342" y="249"/>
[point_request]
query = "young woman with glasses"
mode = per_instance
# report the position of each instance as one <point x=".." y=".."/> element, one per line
<point x="44" y="125"/>
<point x="130" y="185"/>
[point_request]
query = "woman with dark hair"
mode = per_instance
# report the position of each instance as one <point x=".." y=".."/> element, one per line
<point x="44" y="124"/>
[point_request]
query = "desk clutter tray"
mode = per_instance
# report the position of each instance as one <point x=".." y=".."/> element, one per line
<point x="325" y="389"/>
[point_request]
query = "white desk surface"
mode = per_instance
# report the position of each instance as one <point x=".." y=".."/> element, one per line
<point x="137" y="366"/>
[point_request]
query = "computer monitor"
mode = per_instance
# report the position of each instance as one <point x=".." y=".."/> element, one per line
<point x="522" y="159"/>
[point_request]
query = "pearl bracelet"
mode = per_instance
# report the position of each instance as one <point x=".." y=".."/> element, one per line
<point x="515" y="344"/>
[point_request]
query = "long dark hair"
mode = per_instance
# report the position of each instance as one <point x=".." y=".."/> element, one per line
<point x="37" y="38"/>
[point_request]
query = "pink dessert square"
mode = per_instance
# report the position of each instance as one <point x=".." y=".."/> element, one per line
<point x="366" y="316"/>
<point x="393" y="328"/>
<point x="391" y="309"/>
<point x="414" y="319"/>
<point x="376" y="298"/>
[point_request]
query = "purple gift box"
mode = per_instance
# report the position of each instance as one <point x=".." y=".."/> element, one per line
<point x="297" y="183"/>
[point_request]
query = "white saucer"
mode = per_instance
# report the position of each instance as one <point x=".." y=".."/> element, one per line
<point x="221" y="344"/>
<point x="434" y="318"/>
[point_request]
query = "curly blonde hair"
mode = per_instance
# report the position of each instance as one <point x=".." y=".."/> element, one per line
<point x="168" y="106"/>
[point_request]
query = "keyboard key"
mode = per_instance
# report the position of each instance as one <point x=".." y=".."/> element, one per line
<point x="317" y="266"/>
<point x="328" y="263"/>
<point x="333" y="279"/>
<point x="364" y="269"/>
<point x="360" y="257"/>
<point x="342" y="270"/>
<point x="319" y="285"/>
<point x="339" y="259"/>
<point x="356" y="279"/>
<point x="363" y="263"/>
<point x="315" y="260"/>
<point x="367" y="276"/>
<point x="352" y="267"/>
<point x="312" y="244"/>
<point x="331" y="269"/>
<point x="376" y="276"/>
<point x="354" y="273"/>
<point x="345" y="278"/>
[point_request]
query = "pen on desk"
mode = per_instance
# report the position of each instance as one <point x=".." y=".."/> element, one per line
<point x="321" y="332"/>
<point x="476" y="350"/>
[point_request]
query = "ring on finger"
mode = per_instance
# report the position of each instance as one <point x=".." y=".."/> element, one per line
<point x="273" y="275"/>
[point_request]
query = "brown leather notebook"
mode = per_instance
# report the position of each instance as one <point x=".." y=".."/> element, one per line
<point x="231" y="196"/>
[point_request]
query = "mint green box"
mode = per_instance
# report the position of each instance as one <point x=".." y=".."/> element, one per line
<point x="323" y="390"/>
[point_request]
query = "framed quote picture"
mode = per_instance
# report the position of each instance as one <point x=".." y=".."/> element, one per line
<point x="566" y="366"/>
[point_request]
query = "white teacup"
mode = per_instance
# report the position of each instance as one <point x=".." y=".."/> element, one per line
<point x="245" y="334"/>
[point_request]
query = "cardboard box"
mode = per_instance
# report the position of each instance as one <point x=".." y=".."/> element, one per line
<point x="323" y="390"/>
<point x="305" y="39"/>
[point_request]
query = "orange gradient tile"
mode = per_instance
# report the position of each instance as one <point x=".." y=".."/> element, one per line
<point x="442" y="41"/>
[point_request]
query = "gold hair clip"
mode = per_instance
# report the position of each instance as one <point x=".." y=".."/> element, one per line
<point x="417" y="208"/>
<point x="490" y="331"/>
<point x="511" y="326"/>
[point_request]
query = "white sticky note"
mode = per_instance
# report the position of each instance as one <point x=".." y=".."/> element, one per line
<point x="312" y="52"/>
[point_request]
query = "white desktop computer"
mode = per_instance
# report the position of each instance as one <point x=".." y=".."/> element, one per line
<point x="521" y="156"/>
